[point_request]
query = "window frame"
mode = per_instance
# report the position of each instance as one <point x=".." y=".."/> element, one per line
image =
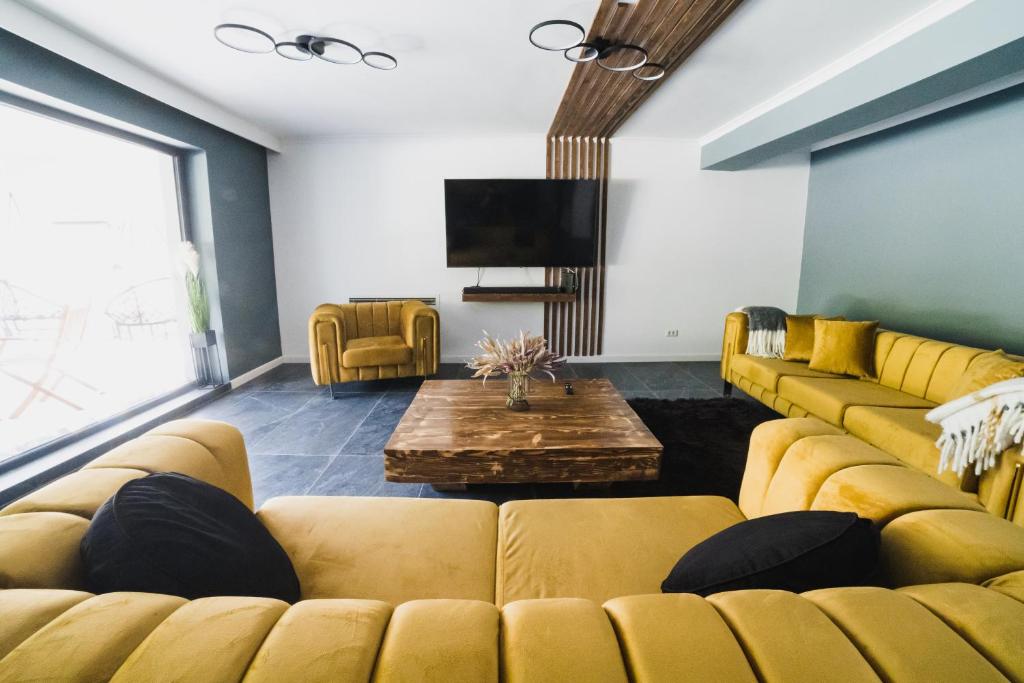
<point x="179" y="156"/>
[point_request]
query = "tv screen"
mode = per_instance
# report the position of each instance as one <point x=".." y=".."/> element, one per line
<point x="521" y="222"/>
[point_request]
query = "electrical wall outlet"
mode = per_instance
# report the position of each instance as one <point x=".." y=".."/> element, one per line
<point x="671" y="333"/>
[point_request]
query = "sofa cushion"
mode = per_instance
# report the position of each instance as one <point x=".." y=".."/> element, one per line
<point x="987" y="369"/>
<point x="321" y="641"/>
<point x="768" y="623"/>
<point x="172" y="534"/>
<point x="844" y="347"/>
<point x="769" y="443"/>
<point x="162" y="451"/>
<point x="600" y="548"/>
<point x="389" y="549"/>
<point x="794" y="551"/>
<point x="91" y="640"/>
<point x="939" y="546"/>
<point x="21" y="537"/>
<point x="829" y="398"/>
<point x="884" y="492"/>
<point x="880" y="622"/>
<point x="211" y="639"/>
<point x="904" y="433"/>
<point x="971" y="611"/>
<point x="1011" y="584"/>
<point x="559" y="639"/>
<point x="768" y="371"/>
<point x="676" y="637"/>
<point x="27" y="610"/>
<point x="809" y="462"/>
<point x="799" y="337"/>
<point x="366" y="351"/>
<point x="79" y="493"/>
<point x="437" y="641"/>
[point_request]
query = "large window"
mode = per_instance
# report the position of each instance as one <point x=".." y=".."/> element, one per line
<point x="91" y="300"/>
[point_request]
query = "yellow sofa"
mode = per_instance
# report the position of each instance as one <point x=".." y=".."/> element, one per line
<point x="914" y="375"/>
<point x="531" y="591"/>
<point x="373" y="340"/>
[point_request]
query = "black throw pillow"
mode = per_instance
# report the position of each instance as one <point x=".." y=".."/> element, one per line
<point x="793" y="551"/>
<point x="169" y="533"/>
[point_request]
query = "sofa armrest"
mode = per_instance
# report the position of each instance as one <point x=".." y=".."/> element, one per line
<point x="53" y="519"/>
<point x="942" y="546"/>
<point x="326" y="343"/>
<point x="1001" y="489"/>
<point x="733" y="341"/>
<point x="421" y="331"/>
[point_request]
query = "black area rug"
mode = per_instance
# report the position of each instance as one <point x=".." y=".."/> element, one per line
<point x="705" y="444"/>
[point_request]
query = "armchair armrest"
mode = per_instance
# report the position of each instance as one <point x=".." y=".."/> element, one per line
<point x="734" y="340"/>
<point x="326" y="343"/>
<point x="421" y="331"/>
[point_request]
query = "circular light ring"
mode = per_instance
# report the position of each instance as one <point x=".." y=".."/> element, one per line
<point x="336" y="51"/>
<point x="562" y="45"/>
<point x="380" y="60"/>
<point x="641" y="57"/>
<point x="244" y="38"/>
<point x="649" y="72"/>
<point x="297" y="52"/>
<point x="584" y="52"/>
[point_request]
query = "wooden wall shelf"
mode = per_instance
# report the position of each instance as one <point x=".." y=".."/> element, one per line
<point x="508" y="297"/>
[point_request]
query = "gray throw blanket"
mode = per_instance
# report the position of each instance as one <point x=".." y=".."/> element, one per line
<point x="766" y="327"/>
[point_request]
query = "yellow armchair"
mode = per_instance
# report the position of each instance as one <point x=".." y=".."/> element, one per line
<point x="377" y="340"/>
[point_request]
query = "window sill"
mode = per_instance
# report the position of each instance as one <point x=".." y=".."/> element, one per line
<point x="32" y="474"/>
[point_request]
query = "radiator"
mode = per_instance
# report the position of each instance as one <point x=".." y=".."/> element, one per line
<point x="428" y="300"/>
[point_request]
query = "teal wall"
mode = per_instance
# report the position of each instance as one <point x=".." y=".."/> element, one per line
<point x="922" y="226"/>
<point x="226" y="179"/>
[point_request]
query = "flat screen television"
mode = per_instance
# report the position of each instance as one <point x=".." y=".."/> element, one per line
<point x="492" y="223"/>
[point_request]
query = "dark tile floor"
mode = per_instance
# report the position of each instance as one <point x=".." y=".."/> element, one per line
<point x="302" y="442"/>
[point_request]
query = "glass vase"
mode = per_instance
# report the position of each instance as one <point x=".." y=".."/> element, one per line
<point x="518" y="387"/>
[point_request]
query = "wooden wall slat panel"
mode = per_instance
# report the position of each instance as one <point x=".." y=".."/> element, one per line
<point x="595" y="104"/>
<point x="574" y="328"/>
<point x="596" y="101"/>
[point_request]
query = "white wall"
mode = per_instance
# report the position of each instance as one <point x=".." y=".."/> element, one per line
<point x="365" y="217"/>
<point x="687" y="246"/>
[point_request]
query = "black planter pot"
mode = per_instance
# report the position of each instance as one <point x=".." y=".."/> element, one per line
<point x="205" y="358"/>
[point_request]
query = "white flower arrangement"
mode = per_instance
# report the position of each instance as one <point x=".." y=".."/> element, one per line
<point x="197" y="301"/>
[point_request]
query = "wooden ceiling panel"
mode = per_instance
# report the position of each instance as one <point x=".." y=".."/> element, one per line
<point x="596" y="101"/>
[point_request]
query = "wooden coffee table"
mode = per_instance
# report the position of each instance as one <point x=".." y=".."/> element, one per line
<point x="458" y="432"/>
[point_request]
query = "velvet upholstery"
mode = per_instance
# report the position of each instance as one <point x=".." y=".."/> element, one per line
<point x="987" y="369"/>
<point x="410" y="590"/>
<point x="390" y="549"/>
<point x="830" y="398"/>
<point x="546" y="548"/>
<point x="844" y="347"/>
<point x="327" y="640"/>
<point x="373" y="340"/>
<point x="913" y="374"/>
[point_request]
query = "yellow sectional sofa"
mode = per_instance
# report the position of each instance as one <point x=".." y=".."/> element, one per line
<point x="531" y="591"/>
<point x="913" y="375"/>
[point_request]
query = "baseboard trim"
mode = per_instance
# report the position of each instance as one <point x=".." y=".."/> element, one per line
<point x="622" y="358"/>
<point x="247" y="377"/>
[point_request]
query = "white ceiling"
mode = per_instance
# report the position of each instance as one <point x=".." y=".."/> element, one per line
<point x="765" y="47"/>
<point x="465" y="66"/>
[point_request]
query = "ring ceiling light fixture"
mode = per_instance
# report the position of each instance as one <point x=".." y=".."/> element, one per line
<point x="567" y="37"/>
<point x="302" y="48"/>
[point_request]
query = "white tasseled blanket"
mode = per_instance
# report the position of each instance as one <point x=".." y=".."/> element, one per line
<point x="978" y="427"/>
<point x="766" y="331"/>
